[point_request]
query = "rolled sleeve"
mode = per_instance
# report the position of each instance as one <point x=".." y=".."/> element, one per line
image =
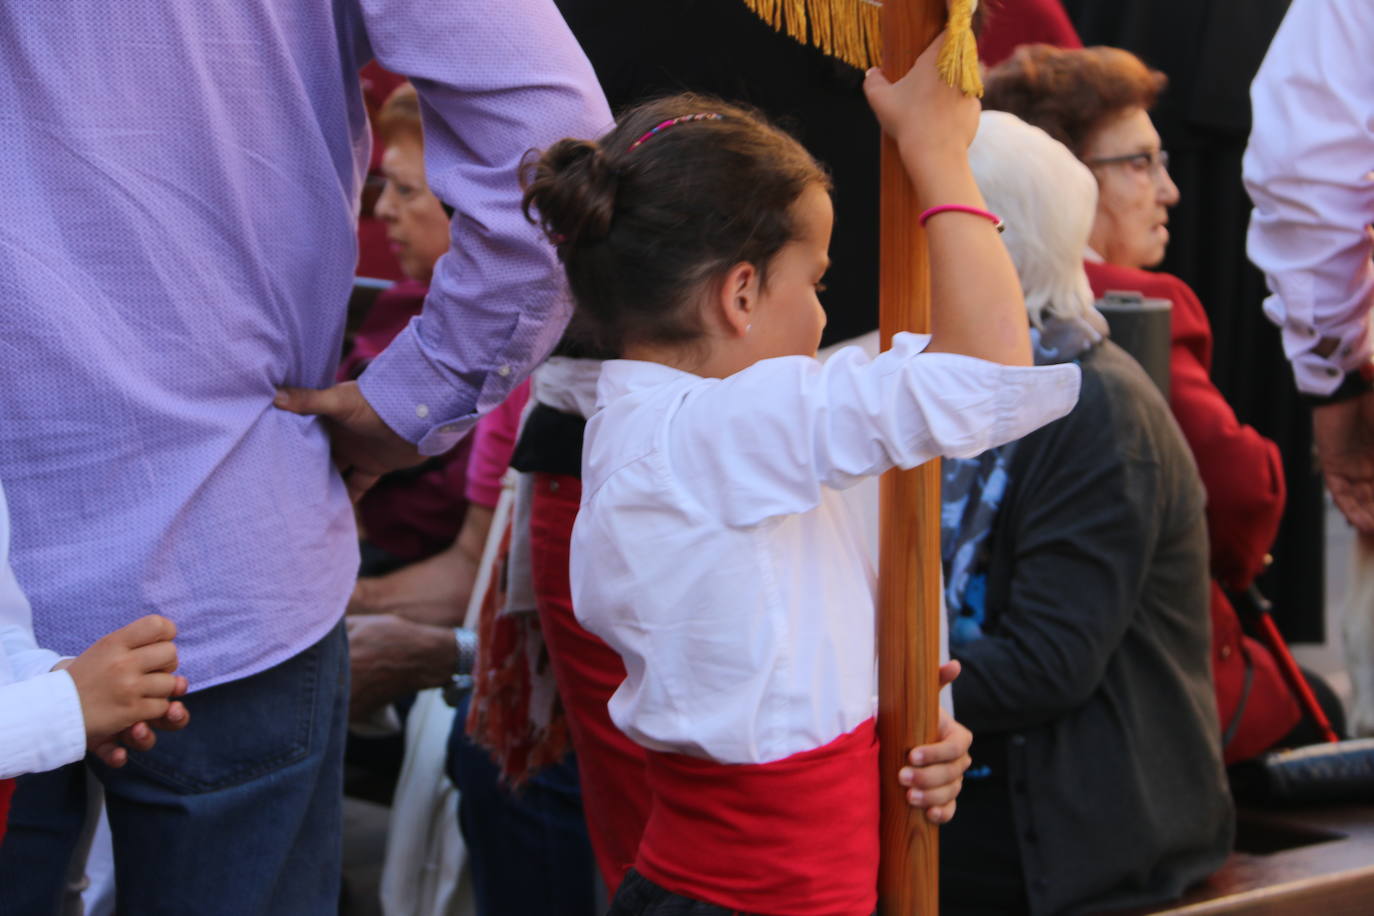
<point x="419" y="396"/>
<point x="495" y="82"/>
<point x="836" y="424"/>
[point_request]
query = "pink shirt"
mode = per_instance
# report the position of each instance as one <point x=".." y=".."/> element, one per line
<point x="492" y="445"/>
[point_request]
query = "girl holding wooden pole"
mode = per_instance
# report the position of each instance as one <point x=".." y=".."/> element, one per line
<point x="713" y="551"/>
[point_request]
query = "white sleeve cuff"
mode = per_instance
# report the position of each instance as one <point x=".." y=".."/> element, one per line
<point x="41" y="725"/>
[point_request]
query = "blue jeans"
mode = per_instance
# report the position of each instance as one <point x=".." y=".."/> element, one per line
<point x="240" y="814"/>
<point x="528" y="848"/>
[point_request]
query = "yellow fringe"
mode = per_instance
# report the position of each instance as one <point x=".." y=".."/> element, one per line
<point x="851" y="31"/>
<point x="958" y="62"/>
<point x="847" y="29"/>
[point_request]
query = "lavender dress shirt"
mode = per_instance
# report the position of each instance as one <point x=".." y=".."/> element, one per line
<point x="181" y="185"/>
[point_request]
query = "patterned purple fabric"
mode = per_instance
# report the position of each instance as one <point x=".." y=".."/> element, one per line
<point x="181" y="186"/>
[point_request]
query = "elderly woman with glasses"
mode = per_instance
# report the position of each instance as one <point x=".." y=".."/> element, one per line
<point x="1096" y="101"/>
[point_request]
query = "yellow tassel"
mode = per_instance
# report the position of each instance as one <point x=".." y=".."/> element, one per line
<point x="851" y="31"/>
<point x="847" y="29"/>
<point x="958" y="62"/>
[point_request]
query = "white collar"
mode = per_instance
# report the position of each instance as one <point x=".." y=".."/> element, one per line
<point x="620" y="377"/>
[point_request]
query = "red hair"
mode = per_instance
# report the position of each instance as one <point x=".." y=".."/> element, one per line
<point x="1070" y="93"/>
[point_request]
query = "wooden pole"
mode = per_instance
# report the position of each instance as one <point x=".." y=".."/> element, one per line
<point x="909" y="540"/>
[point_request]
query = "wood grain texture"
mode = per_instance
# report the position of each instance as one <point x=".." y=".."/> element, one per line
<point x="1333" y="876"/>
<point x="909" y="543"/>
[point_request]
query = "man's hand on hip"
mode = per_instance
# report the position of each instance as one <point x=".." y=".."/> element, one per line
<point x="1344" y="436"/>
<point x="364" y="447"/>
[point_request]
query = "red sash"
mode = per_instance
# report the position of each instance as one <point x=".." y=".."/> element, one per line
<point x="796" y="836"/>
<point x="6" y="790"/>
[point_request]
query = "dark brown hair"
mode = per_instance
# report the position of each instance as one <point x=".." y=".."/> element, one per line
<point x="1069" y="94"/>
<point x="399" y="118"/>
<point x="642" y="232"/>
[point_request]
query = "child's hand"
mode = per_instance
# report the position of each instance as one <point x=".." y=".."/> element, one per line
<point x="932" y="122"/>
<point x="126" y="679"/>
<point x="937" y="773"/>
<point x="140" y="736"/>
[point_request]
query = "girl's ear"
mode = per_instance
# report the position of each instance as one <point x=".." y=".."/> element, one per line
<point x="737" y="298"/>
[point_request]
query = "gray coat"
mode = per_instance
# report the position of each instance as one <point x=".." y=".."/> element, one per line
<point x="1095" y="664"/>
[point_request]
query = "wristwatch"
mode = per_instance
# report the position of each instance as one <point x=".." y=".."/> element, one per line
<point x="466" y="642"/>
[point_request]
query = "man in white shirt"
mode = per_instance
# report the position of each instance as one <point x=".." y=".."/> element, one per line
<point x="1309" y="169"/>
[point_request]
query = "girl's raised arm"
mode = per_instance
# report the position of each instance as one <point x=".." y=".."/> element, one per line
<point x="976" y="304"/>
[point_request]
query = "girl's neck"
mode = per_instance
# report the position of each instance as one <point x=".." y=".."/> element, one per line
<point x="708" y="357"/>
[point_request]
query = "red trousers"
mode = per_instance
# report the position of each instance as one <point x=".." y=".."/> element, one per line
<point x="615" y="788"/>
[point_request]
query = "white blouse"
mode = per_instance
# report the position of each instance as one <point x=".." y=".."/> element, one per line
<point x="41" y="726"/>
<point x="715" y="554"/>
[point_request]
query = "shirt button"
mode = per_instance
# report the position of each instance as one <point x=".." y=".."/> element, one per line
<point x="1226" y="651"/>
<point x="553" y="486"/>
<point x="503" y="371"/>
<point x="421" y="410"/>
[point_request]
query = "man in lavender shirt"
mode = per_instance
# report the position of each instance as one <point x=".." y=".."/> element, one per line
<point x="181" y="187"/>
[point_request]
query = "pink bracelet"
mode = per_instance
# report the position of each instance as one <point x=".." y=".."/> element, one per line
<point x="960" y="208"/>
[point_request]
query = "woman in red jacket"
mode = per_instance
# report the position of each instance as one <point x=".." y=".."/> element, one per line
<point x="1096" y="101"/>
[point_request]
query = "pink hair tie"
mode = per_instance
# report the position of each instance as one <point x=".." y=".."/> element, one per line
<point x="960" y="208"/>
<point x="671" y="122"/>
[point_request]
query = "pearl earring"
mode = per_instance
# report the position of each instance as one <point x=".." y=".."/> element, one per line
<point x="748" y="327"/>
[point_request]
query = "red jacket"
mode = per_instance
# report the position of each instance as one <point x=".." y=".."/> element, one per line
<point x="1243" y="475"/>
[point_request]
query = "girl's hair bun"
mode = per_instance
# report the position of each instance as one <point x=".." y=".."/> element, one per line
<point x="572" y="186"/>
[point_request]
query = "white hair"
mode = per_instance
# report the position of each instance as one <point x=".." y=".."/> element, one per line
<point x="1048" y="200"/>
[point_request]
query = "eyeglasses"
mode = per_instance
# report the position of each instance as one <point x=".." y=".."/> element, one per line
<point x="1152" y="161"/>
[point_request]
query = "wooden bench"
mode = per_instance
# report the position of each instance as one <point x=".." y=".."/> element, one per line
<point x="1314" y="861"/>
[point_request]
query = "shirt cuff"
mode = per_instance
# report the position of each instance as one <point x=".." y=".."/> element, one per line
<point x="1320" y="376"/>
<point x="1347" y="347"/>
<point x="1030" y="397"/>
<point x="41" y="725"/>
<point x="401" y="384"/>
<point x="33" y="663"/>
